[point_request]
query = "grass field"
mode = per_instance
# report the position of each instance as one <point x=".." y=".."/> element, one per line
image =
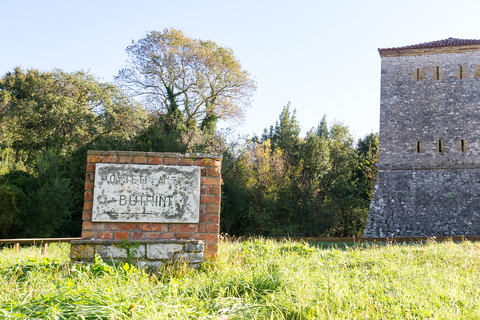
<point x="257" y="279"/>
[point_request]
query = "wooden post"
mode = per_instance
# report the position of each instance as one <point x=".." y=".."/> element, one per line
<point x="44" y="248"/>
<point x="17" y="246"/>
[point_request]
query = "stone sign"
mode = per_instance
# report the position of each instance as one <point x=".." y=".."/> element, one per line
<point x="146" y="193"/>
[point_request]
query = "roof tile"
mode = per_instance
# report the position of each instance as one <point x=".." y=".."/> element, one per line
<point x="450" y="42"/>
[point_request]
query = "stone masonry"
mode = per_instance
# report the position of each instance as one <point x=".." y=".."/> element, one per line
<point x="154" y="243"/>
<point x="428" y="179"/>
<point x="146" y="253"/>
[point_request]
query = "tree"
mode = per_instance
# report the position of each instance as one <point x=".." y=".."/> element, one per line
<point x="285" y="134"/>
<point x="367" y="149"/>
<point x="61" y="112"/>
<point x="284" y="185"/>
<point x="193" y="82"/>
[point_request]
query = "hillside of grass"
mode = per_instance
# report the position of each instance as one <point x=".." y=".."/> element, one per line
<point x="258" y="279"/>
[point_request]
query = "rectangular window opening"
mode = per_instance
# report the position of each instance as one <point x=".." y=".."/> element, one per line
<point x="460" y="72"/>
<point x="440" y="145"/>
<point x="417" y="75"/>
<point x="476" y="73"/>
<point x="418" y="147"/>
<point x="462" y="145"/>
<point x="437" y="73"/>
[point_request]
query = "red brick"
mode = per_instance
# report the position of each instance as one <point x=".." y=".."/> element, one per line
<point x="89" y="235"/>
<point x="210" y="199"/>
<point x="123" y="226"/>
<point x="88" y="225"/>
<point x="210" y="181"/>
<point x="88" y="195"/>
<point x="105" y="235"/>
<point x="155" y="160"/>
<point x="210" y="256"/>
<point x="88" y="185"/>
<point x="90" y="177"/>
<point x="213" y="208"/>
<point x="121" y="235"/>
<point x="185" y="162"/>
<point x="90" y="167"/>
<point x="125" y="159"/>
<point x="137" y="235"/>
<point x="188" y="227"/>
<point x="87" y="205"/>
<point x="109" y="159"/>
<point x="212" y="228"/>
<point x="139" y="159"/>
<point x="214" y="172"/>
<point x="213" y="218"/>
<point x="202" y="208"/>
<point x="203" y="172"/>
<point x="204" y="190"/>
<point x="211" y="248"/>
<point x="167" y="235"/>
<point x="94" y="158"/>
<point x="201" y="228"/>
<point x="214" y="190"/>
<point x="152" y="235"/>
<point x="87" y="216"/>
<point x="152" y="227"/>
<point x="171" y="161"/>
<point x="207" y="237"/>
<point x="205" y="162"/>
<point x="182" y="236"/>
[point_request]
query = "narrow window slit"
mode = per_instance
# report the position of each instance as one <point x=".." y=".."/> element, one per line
<point x="460" y="72"/>
<point x="418" y="147"/>
<point x="462" y="145"/>
<point x="437" y="73"/>
<point x="417" y="77"/>
<point x="440" y="146"/>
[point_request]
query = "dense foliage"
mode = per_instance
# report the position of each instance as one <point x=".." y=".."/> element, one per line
<point x="276" y="184"/>
<point x="256" y="279"/>
<point x="282" y="184"/>
<point x="47" y="122"/>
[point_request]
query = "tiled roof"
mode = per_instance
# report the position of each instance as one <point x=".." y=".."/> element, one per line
<point x="450" y="42"/>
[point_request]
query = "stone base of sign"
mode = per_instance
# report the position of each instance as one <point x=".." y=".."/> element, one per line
<point x="145" y="253"/>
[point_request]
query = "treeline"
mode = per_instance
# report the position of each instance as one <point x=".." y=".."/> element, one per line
<point x="169" y="98"/>
<point x="280" y="184"/>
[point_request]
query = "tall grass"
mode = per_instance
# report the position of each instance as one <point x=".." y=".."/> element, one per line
<point x="258" y="279"/>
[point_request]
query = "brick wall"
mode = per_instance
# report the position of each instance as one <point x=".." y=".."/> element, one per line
<point x="210" y="196"/>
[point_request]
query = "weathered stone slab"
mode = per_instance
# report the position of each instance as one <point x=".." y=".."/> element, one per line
<point x="115" y="251"/>
<point x="146" y="193"/>
<point x="194" y="247"/>
<point x="149" y="264"/>
<point x="190" y="257"/>
<point x="162" y="251"/>
<point x="82" y="251"/>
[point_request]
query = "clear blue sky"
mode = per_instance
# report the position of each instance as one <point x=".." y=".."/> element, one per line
<point x="320" y="55"/>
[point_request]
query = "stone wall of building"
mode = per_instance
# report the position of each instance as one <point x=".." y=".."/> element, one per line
<point x="429" y="158"/>
<point x="427" y="110"/>
<point x="206" y="230"/>
<point x="440" y="202"/>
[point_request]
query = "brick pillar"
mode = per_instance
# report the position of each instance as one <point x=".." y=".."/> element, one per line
<point x="206" y="229"/>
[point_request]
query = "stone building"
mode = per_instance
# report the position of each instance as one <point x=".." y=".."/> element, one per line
<point x="428" y="179"/>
